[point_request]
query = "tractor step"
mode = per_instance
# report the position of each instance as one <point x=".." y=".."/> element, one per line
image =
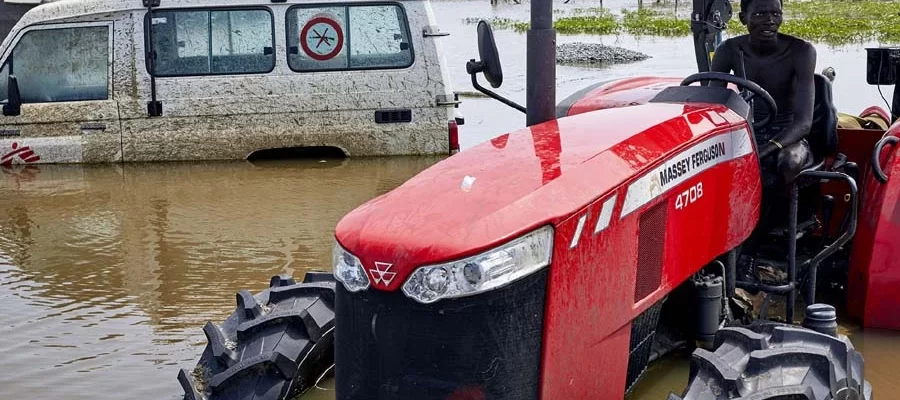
<point x="781" y="265"/>
<point x="802" y="228"/>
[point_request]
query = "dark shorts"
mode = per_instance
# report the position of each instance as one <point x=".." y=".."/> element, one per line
<point x="783" y="166"/>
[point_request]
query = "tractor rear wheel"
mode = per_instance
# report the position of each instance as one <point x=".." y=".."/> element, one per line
<point x="766" y="361"/>
<point x="272" y="347"/>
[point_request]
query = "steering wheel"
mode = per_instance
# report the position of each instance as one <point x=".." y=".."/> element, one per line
<point x="753" y="89"/>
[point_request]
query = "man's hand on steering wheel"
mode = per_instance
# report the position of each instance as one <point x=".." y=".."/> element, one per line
<point x="752" y="90"/>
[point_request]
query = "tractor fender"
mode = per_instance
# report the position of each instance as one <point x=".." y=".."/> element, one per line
<point x="874" y="275"/>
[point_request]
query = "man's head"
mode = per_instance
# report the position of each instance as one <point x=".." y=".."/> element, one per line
<point x="762" y="17"/>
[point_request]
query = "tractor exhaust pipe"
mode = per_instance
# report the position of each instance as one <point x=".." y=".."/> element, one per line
<point x="540" y="78"/>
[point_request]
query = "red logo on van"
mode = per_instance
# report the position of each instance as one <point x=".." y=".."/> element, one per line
<point x="24" y="153"/>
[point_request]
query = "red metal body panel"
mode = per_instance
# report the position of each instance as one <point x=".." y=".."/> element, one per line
<point x="871" y="282"/>
<point x="522" y="180"/>
<point x="622" y="93"/>
<point x="591" y="294"/>
<point x="874" y="279"/>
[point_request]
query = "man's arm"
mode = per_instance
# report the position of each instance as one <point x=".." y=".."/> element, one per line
<point x="805" y="65"/>
<point x="722" y="61"/>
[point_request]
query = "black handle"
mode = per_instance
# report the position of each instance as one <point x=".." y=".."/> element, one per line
<point x="876" y="161"/>
<point x="93" y="126"/>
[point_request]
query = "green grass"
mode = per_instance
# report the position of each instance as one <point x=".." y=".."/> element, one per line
<point x="599" y="24"/>
<point x="646" y="22"/>
<point x="839" y="22"/>
<point x="835" y="22"/>
<point x="594" y="21"/>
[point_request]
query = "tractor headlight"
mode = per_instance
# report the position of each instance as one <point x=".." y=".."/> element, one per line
<point x="348" y="269"/>
<point x="486" y="271"/>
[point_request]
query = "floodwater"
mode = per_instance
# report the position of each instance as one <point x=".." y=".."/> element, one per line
<point x="108" y="273"/>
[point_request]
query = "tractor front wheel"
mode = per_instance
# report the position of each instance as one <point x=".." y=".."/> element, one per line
<point x="768" y="361"/>
<point x="273" y="346"/>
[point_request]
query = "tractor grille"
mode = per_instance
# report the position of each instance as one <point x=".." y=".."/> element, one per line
<point x="643" y="331"/>
<point x="486" y="346"/>
<point x="651" y="244"/>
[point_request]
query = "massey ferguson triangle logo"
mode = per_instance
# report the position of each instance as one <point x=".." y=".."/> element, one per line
<point x="382" y="274"/>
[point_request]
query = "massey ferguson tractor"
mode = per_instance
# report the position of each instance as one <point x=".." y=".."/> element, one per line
<point x="559" y="260"/>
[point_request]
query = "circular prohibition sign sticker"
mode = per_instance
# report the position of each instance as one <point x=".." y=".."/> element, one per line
<point x="322" y="38"/>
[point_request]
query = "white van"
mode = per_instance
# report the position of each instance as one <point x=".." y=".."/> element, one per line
<point x="231" y="79"/>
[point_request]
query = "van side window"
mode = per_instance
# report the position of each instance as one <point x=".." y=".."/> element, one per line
<point x="348" y="37"/>
<point x="213" y="42"/>
<point x="66" y="64"/>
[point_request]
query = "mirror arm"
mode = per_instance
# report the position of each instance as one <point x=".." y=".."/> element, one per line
<point x="494" y="95"/>
<point x="13" y="107"/>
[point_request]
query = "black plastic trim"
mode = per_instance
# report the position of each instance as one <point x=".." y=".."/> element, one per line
<point x="704" y="94"/>
<point x="393" y="116"/>
<point x="388" y="346"/>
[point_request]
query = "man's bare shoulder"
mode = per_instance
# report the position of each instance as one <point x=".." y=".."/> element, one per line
<point x="799" y="45"/>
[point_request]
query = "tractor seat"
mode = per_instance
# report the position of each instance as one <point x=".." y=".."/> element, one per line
<point x="822" y="137"/>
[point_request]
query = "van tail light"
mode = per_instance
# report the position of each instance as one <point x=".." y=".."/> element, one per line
<point x="453" y="128"/>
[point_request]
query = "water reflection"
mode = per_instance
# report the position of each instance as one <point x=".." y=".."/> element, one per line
<point x="115" y="268"/>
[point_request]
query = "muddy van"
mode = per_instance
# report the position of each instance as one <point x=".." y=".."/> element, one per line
<point x="85" y="81"/>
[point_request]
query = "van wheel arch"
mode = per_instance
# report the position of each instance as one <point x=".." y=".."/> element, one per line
<point x="298" y="152"/>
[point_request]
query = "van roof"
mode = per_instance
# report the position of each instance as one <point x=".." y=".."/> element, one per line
<point x="54" y="10"/>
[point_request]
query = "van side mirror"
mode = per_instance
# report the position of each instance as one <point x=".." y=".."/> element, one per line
<point x="13" y="105"/>
<point x="490" y="59"/>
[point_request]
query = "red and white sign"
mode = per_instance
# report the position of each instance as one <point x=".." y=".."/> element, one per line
<point x="322" y="38"/>
<point x="41" y="150"/>
<point x="19" y="155"/>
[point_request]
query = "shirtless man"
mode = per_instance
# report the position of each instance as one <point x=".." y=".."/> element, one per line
<point x="784" y="66"/>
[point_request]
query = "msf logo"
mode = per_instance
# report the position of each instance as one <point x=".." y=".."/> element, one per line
<point x="24" y="154"/>
<point x="381" y="273"/>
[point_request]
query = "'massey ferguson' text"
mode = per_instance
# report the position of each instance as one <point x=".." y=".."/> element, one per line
<point x="690" y="162"/>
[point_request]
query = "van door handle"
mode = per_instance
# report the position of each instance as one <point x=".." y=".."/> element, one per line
<point x="433" y="31"/>
<point x="93" y="126"/>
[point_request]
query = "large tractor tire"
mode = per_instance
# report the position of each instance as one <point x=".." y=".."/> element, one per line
<point x="274" y="346"/>
<point x="768" y="361"/>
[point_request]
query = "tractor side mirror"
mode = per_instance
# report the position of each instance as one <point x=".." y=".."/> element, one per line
<point x="489" y="64"/>
<point x="13" y="104"/>
<point x="487" y="49"/>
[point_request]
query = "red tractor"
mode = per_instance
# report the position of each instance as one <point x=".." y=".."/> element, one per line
<point x="557" y="261"/>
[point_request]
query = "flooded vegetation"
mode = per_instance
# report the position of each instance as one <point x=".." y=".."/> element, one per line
<point x="108" y="273"/>
<point x="834" y="22"/>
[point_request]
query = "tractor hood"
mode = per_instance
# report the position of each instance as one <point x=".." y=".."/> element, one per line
<point x="505" y="187"/>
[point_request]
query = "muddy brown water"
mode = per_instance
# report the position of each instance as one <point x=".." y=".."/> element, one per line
<point x="108" y="273"/>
